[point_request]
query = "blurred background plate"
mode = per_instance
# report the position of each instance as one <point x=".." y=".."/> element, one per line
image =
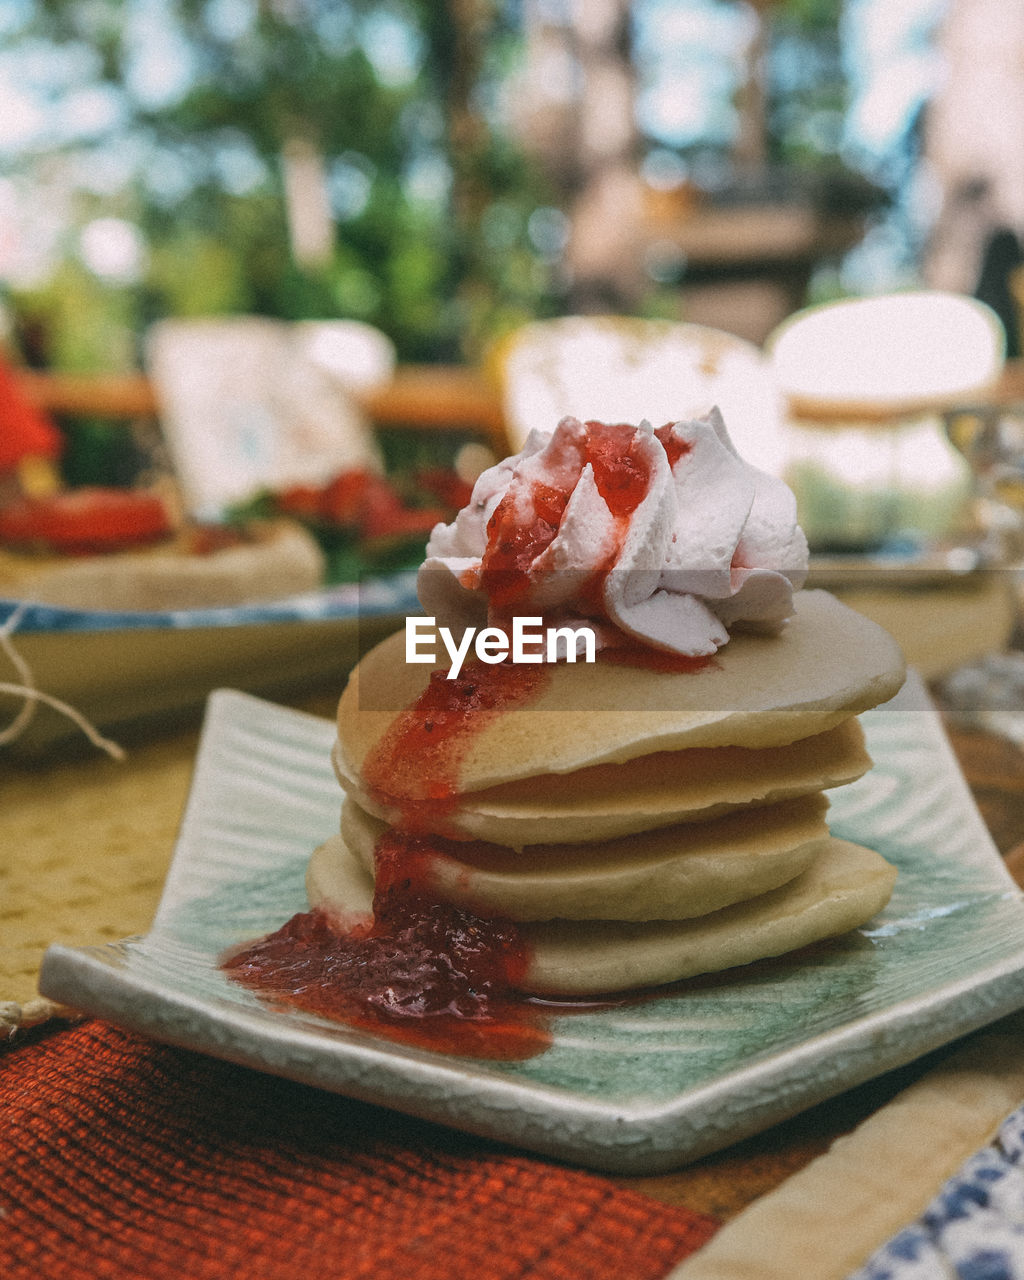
<point x="131" y="671"/>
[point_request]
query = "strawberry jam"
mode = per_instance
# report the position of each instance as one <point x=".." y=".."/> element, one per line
<point x="414" y="768"/>
<point x="673" y="446"/>
<point x="622" y="475"/>
<point x="526" y="520"/>
<point x="515" y="541"/>
<point x="422" y="972"/>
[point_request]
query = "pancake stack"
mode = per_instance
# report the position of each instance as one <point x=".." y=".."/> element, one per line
<point x="641" y="825"/>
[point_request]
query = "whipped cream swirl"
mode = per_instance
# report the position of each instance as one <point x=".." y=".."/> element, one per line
<point x="667" y="536"/>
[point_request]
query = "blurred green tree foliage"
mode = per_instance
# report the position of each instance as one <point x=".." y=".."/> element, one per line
<point x="393" y="107"/>
<point x="188" y="142"/>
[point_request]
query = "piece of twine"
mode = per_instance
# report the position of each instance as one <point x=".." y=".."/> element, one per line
<point x="15" y="1017"/>
<point x="33" y="696"/>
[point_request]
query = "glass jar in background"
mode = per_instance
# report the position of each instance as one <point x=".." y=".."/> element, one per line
<point x="867" y="485"/>
<point x="988" y="693"/>
<point x="990" y="438"/>
<point x="866" y="383"/>
<point x="888" y="502"/>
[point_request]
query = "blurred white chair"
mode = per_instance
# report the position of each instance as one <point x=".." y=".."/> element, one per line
<point x="248" y="403"/>
<point x="358" y="356"/>
<point x="864" y="382"/>
<point x="623" y="369"/>
<point x="887" y="356"/>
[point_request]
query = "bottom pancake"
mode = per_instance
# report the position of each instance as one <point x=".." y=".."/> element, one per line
<point x="842" y="889"/>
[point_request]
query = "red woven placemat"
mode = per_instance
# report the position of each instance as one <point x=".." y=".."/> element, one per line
<point x="120" y="1158"/>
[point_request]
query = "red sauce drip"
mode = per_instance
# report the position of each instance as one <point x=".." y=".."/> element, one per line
<point x="414" y="768"/>
<point x="526" y="520"/>
<point x="673" y="446"/>
<point x="622" y="475"/>
<point x="420" y="971"/>
<point x="514" y="543"/>
<point x="423" y="972"/>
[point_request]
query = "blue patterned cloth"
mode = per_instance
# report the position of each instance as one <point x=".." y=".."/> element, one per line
<point x="374" y="596"/>
<point x="973" y="1229"/>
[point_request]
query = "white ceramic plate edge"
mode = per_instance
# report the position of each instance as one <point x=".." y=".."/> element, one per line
<point x="543" y="1119"/>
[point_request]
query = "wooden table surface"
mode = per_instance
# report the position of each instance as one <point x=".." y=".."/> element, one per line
<point x="54" y="811"/>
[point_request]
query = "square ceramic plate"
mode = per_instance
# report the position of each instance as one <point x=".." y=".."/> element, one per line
<point x="630" y="1089"/>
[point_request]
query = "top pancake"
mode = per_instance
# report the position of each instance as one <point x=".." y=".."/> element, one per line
<point x="827" y="664"/>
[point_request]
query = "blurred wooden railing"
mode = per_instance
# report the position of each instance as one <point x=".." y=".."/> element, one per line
<point x="419" y="397"/>
<point x="127" y="395"/>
